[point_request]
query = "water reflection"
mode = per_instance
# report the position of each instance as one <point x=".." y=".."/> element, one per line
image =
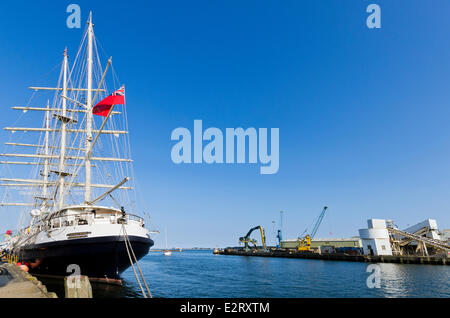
<point x="414" y="280"/>
<point x="394" y="278"/>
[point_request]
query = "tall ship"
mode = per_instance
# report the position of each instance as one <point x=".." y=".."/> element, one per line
<point x="70" y="179"/>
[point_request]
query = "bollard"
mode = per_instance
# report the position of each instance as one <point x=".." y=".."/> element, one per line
<point x="77" y="287"/>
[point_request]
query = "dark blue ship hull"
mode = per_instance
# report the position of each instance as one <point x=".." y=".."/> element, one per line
<point x="101" y="259"/>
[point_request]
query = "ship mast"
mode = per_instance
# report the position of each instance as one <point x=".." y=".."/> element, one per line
<point x="87" y="193"/>
<point x="63" y="134"/>
<point x="46" y="166"/>
<point x="65" y="115"/>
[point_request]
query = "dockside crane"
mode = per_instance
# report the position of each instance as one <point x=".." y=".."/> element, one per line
<point x="304" y="243"/>
<point x="280" y="231"/>
<point x="246" y="239"/>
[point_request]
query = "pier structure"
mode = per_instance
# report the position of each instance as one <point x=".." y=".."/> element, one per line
<point x="401" y="259"/>
<point x="16" y="283"/>
<point x="381" y="242"/>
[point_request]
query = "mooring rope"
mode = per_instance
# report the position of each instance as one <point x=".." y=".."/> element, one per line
<point x="137" y="264"/>
<point x="132" y="265"/>
<point x="128" y="243"/>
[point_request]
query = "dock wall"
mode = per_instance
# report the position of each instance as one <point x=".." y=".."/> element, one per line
<point x="406" y="259"/>
<point x="20" y="284"/>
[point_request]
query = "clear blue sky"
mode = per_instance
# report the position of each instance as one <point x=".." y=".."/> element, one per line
<point x="363" y="114"/>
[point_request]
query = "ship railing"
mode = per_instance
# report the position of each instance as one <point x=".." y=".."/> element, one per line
<point x="132" y="217"/>
<point x="88" y="218"/>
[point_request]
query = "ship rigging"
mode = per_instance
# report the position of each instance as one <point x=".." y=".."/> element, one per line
<point x="66" y="226"/>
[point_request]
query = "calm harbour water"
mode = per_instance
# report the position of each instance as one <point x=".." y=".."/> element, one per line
<point x="200" y="274"/>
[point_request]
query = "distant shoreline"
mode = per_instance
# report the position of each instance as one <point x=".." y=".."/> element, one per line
<point x="183" y="249"/>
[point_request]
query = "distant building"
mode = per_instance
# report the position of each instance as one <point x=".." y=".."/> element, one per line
<point x="375" y="239"/>
<point x="318" y="243"/>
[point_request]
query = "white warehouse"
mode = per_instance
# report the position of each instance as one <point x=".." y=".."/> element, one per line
<point x="375" y="239"/>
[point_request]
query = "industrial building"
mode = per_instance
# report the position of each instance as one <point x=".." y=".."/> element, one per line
<point x="384" y="238"/>
<point x="375" y="239"/>
<point x="445" y="236"/>
<point x="430" y="224"/>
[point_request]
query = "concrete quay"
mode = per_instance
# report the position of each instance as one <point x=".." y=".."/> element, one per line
<point x="16" y="283"/>
<point x="405" y="259"/>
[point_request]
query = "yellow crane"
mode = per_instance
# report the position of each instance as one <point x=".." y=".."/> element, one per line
<point x="246" y="239"/>
<point x="304" y="244"/>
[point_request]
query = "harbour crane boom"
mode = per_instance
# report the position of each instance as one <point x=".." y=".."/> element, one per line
<point x="304" y="243"/>
<point x="319" y="221"/>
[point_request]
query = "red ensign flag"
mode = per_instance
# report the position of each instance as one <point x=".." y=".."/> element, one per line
<point x="116" y="98"/>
